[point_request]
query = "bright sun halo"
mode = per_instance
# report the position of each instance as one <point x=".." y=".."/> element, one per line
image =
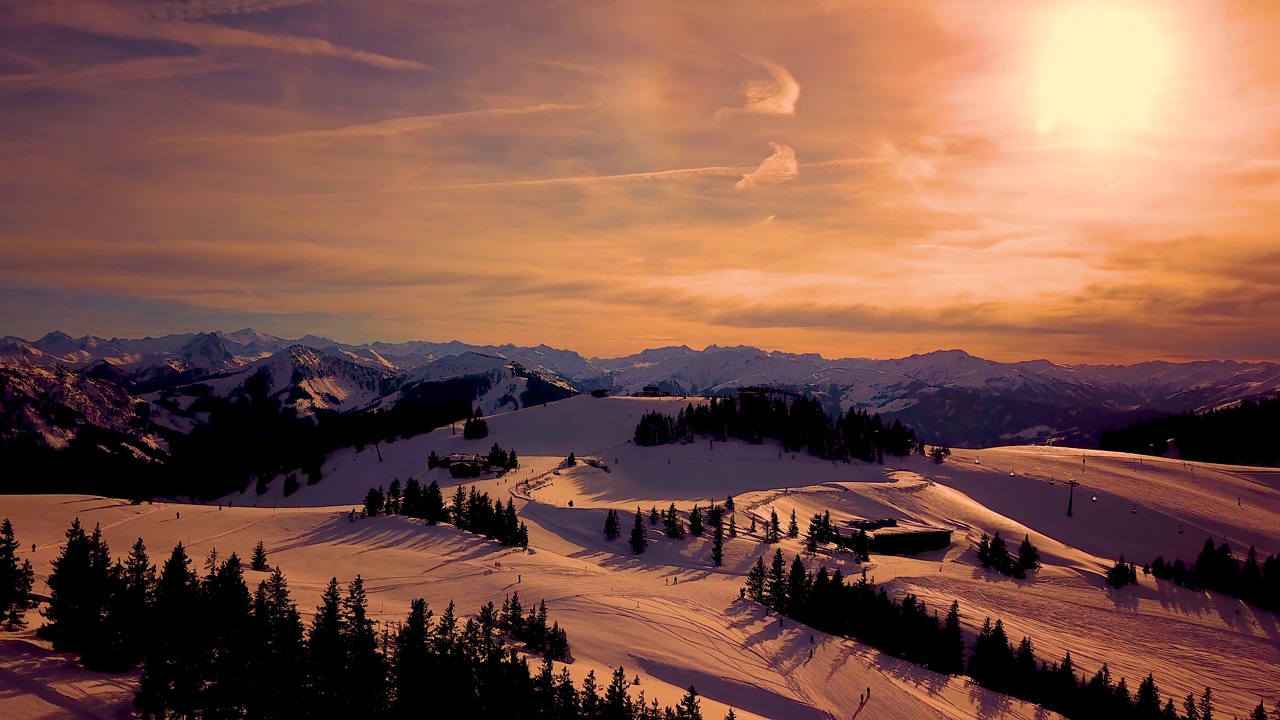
<point x="1101" y="68"/>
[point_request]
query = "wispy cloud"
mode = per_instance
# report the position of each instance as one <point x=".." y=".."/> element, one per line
<point x="775" y="96"/>
<point x="135" y="21"/>
<point x="413" y="123"/>
<point x="779" y="167"/>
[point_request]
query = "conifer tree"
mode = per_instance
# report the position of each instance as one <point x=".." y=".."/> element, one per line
<point x="366" y="674"/>
<point x="1147" y="701"/>
<point x="134" y="604"/>
<point x="1189" y="708"/>
<point x="717" y="545"/>
<point x="277" y="663"/>
<point x="227" y="614"/>
<point x="259" y="561"/>
<point x="755" y="580"/>
<point x="793" y="529"/>
<point x="433" y="504"/>
<point x="728" y="504"/>
<point x="326" y="656"/>
<point x="753" y="524"/>
<point x="1259" y="713"/>
<point x="773" y="533"/>
<point x="617" y="703"/>
<point x="638" y="542"/>
<point x="1206" y="704"/>
<point x="775" y="594"/>
<point x="733" y="527"/>
<point x="653" y="515"/>
<point x="1028" y="555"/>
<point x="695" y="521"/>
<point x="612" y="527"/>
<point x="16" y="580"/>
<point x="951" y="653"/>
<point x="689" y="707"/>
<point x="175" y="661"/>
<point x="797" y="588"/>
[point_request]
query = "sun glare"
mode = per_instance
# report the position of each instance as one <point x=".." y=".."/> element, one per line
<point x="1101" y="70"/>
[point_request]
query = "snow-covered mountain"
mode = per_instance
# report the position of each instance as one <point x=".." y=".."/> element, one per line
<point x="948" y="395"/>
<point x="307" y="380"/>
<point x="55" y="406"/>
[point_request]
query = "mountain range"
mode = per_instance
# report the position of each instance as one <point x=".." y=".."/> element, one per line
<point x="948" y="396"/>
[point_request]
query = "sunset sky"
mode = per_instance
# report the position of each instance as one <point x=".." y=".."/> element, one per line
<point x="1082" y="181"/>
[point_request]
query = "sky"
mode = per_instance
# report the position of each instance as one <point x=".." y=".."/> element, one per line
<point x="1075" y="180"/>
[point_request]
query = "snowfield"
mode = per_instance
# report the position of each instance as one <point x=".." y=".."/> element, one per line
<point x="674" y="620"/>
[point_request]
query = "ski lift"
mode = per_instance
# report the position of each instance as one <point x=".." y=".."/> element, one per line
<point x="1134" y="510"/>
<point x="1180" y="530"/>
<point x="1095" y="498"/>
<point x="1010" y="473"/>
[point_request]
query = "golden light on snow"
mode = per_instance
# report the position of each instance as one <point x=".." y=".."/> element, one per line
<point x="1101" y="70"/>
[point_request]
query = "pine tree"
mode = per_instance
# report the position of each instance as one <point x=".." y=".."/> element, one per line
<point x="773" y="534"/>
<point x="227" y="612"/>
<point x="733" y="527"/>
<point x="175" y="661"/>
<point x="1190" y="710"/>
<point x="79" y="592"/>
<point x="259" y="560"/>
<point x="717" y="545"/>
<point x="951" y="652"/>
<point x="793" y="529"/>
<point x="728" y="504"/>
<point x="276" y="674"/>
<point x="433" y="504"/>
<point x="366" y="675"/>
<point x="133" y="606"/>
<point x="775" y="595"/>
<point x="1206" y="704"/>
<point x="695" y="521"/>
<point x="689" y="708"/>
<point x="617" y="703"/>
<point x="16" y="580"/>
<point x="1147" y="701"/>
<point x="1028" y="555"/>
<point x="1259" y="713"/>
<point x="326" y="656"/>
<point x="755" y="580"/>
<point x="797" y="589"/>
<point x="753" y="524"/>
<point x="638" y="542"/>
<point x="812" y="534"/>
<point x="612" y="527"/>
<point x="653" y="515"/>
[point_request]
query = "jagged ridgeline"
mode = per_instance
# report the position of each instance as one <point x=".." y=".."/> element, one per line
<point x="799" y="423"/>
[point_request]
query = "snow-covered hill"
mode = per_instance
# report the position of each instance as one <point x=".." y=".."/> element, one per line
<point x="308" y="380"/>
<point x="53" y="406"/>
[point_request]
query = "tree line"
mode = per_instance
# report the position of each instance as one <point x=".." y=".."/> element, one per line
<point x="471" y="511"/>
<point x="906" y="629"/>
<point x="1215" y="568"/>
<point x="800" y="424"/>
<point x="1240" y="435"/>
<point x="208" y="648"/>
<point x="994" y="554"/>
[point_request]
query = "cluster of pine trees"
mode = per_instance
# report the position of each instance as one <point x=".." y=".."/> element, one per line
<point x="475" y="427"/>
<point x="1122" y="573"/>
<point x="16" y="580"/>
<point x="801" y="424"/>
<point x="904" y="629"/>
<point x="1244" y="434"/>
<point x="1256" y="582"/>
<point x="996" y="665"/>
<point x="251" y="656"/>
<point x="471" y="511"/>
<point x="674" y="527"/>
<point x="994" y="554"/>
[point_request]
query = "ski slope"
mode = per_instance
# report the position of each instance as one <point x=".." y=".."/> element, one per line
<point x="674" y="620"/>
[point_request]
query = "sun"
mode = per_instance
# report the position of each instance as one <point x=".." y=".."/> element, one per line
<point x="1101" y="70"/>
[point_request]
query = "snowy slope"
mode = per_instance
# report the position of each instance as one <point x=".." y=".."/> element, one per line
<point x="309" y="380"/>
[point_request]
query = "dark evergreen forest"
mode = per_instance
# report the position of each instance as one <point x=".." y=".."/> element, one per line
<point x="799" y="425"/>
<point x="1242" y="435"/>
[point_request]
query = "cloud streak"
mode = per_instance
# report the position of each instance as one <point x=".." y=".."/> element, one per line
<point x="775" y="96"/>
